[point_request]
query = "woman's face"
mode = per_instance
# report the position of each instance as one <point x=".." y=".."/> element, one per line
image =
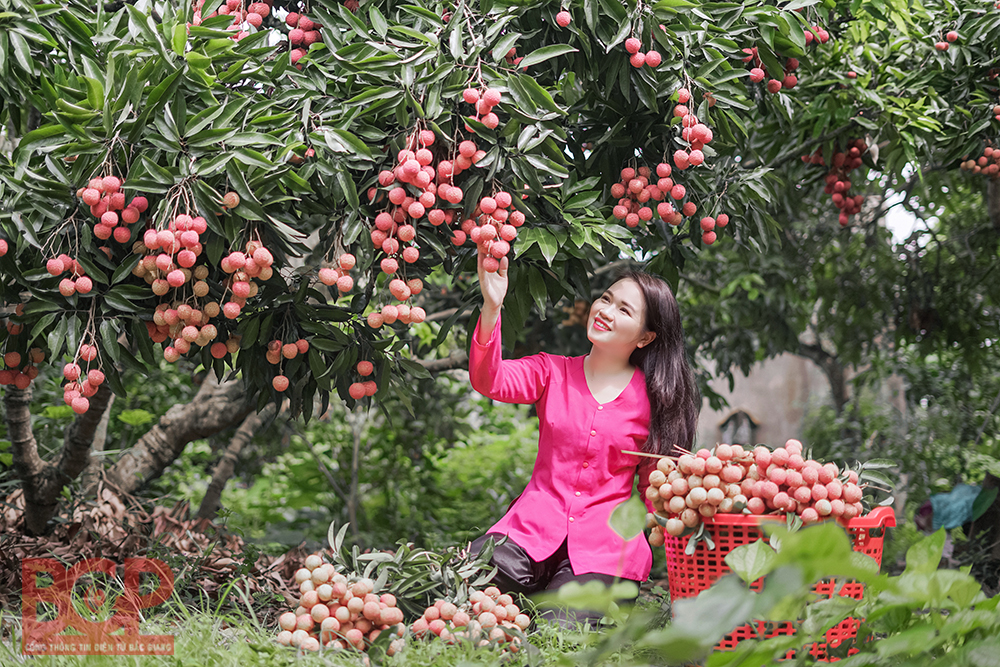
<point x="618" y="318"/>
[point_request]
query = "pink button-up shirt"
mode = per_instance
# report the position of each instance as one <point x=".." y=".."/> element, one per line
<point x="580" y="472"/>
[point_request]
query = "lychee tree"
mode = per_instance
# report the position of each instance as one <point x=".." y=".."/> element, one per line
<point x="263" y="188"/>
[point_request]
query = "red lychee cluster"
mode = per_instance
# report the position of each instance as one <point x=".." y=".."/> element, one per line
<point x="950" y="36"/>
<point x="77" y="283"/>
<point x="487" y="617"/>
<point x="837" y="182"/>
<point x="105" y="198"/>
<point x="278" y="350"/>
<point x="757" y="73"/>
<point x="362" y="388"/>
<point x="651" y="58"/>
<point x="493" y="227"/>
<point x="817" y="35"/>
<point x="77" y="394"/>
<point x="987" y="164"/>
<point x="19" y="370"/>
<point x="339" y="276"/>
<point x="734" y="480"/>
<point x="420" y="186"/>
<point x="255" y="261"/>
<point x="484" y="104"/>
<point x="303" y="34"/>
<point x="337" y="613"/>
<point x="252" y="15"/>
<point x="512" y="59"/>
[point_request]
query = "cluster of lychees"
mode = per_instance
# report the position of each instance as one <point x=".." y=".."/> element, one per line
<point x="303" y="34"/>
<point x="731" y="479"/>
<point x="633" y="45"/>
<point x="278" y="350"/>
<point x="637" y="189"/>
<point x="77" y="283"/>
<point x="951" y="36"/>
<point x="837" y="182"/>
<point x="339" y="276"/>
<point x="988" y="163"/>
<point x="77" y="394"/>
<point x="19" y="370"/>
<point x="816" y="35"/>
<point x="362" y="388"/>
<point x="105" y="198"/>
<point x="420" y="187"/>
<point x="757" y="73"/>
<point x="484" y="104"/>
<point x="487" y="617"/>
<point x="337" y="613"/>
<point x="253" y="15"/>
<point x="493" y="227"/>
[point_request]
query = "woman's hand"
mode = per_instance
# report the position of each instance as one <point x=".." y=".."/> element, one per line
<point x="494" y="289"/>
<point x="493" y="285"/>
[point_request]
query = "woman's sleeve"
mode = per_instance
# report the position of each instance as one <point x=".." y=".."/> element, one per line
<point x="507" y="380"/>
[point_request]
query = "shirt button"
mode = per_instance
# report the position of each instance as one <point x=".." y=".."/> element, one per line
<point x="593" y="433"/>
<point x="585" y="464"/>
<point x="571" y="519"/>
<point x="600" y="407"/>
<point x="578" y="493"/>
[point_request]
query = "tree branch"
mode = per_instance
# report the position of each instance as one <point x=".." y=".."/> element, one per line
<point x="454" y="360"/>
<point x="80" y="435"/>
<point x="797" y="151"/>
<point x="212" y="500"/>
<point x="216" y="407"/>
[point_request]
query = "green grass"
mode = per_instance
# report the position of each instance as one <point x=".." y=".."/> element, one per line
<point x="207" y="639"/>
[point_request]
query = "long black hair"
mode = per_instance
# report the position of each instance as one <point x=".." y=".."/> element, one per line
<point x="674" y="399"/>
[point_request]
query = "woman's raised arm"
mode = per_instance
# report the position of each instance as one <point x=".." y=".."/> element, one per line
<point x="494" y="289"/>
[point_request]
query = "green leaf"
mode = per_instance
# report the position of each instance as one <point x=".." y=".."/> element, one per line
<point x="413" y="368"/>
<point x="546" y="53"/>
<point x="751" y="561"/>
<point x="628" y="518"/>
<point x="925" y="556"/>
<point x="504" y="44"/>
<point x="179" y="40"/>
<point x="377" y="20"/>
<point x="983" y="502"/>
<point x="343" y="141"/>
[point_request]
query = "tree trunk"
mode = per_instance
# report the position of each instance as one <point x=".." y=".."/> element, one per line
<point x="357" y="423"/>
<point x="993" y="202"/>
<point x="42" y="481"/>
<point x="834" y="370"/>
<point x="92" y="472"/>
<point x="215" y="408"/>
<point x="224" y="468"/>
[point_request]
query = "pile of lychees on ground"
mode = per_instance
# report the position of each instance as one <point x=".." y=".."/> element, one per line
<point x="338" y="611"/>
<point x="692" y="487"/>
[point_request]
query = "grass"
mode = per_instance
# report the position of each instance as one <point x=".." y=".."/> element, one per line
<point x="209" y="638"/>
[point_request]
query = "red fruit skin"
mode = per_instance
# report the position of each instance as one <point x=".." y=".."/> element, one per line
<point x="632" y="45"/>
<point x="773" y="86"/>
<point x="941" y="46"/>
<point x="653" y="58"/>
<point x="757" y="75"/>
<point x="951" y="36"/>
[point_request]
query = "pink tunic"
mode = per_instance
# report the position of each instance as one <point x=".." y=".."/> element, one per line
<point x="580" y="473"/>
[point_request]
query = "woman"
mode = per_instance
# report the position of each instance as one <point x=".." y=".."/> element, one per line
<point x="633" y="392"/>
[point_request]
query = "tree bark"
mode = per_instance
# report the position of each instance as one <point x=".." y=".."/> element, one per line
<point x="227" y="464"/>
<point x="993" y="202"/>
<point x="42" y="482"/>
<point x="454" y="360"/>
<point x="215" y="408"/>
<point x="834" y="370"/>
<point x="91" y="474"/>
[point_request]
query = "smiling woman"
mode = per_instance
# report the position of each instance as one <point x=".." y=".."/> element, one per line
<point x="634" y="391"/>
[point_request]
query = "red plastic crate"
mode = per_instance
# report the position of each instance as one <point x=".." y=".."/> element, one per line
<point x="689" y="575"/>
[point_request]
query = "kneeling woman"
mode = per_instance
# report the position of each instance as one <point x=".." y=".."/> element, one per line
<point x="633" y="392"/>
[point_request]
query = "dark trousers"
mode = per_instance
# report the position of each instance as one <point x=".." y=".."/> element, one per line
<point x="517" y="573"/>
